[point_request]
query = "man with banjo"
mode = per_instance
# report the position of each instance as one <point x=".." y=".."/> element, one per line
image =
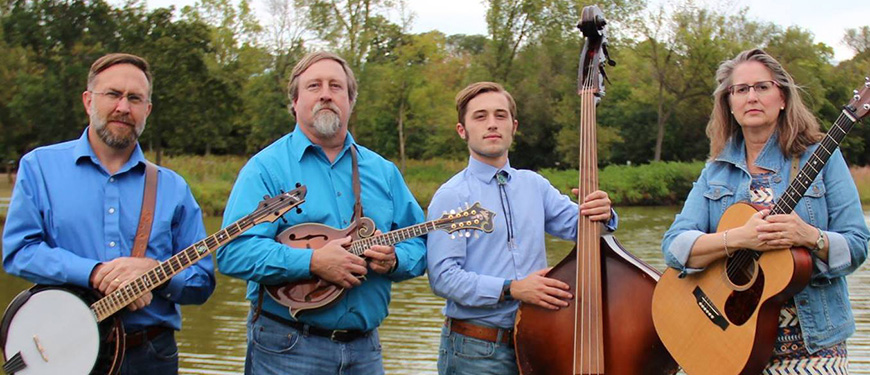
<point x="75" y="216"/>
<point x="343" y="179"/>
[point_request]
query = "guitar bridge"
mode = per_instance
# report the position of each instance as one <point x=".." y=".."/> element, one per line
<point x="709" y="309"/>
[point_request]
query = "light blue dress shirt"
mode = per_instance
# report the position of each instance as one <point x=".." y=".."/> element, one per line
<point x="470" y="272"/>
<point x="256" y="257"/>
<point x="68" y="214"/>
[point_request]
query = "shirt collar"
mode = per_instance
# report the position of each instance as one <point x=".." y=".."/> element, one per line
<point x="485" y="172"/>
<point x="770" y="158"/>
<point x="300" y="144"/>
<point x="83" y="150"/>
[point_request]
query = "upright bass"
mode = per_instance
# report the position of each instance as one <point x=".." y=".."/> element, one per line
<point x="607" y="327"/>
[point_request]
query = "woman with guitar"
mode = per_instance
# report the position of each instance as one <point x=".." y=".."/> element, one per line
<point x="766" y="291"/>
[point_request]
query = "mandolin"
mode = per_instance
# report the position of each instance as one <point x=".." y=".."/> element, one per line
<point x="724" y="320"/>
<point x="315" y="293"/>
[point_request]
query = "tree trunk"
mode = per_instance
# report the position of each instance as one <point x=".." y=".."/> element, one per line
<point x="660" y="122"/>
<point x="402" y="137"/>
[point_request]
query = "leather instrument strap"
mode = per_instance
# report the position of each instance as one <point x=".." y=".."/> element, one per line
<point x="146" y="216"/>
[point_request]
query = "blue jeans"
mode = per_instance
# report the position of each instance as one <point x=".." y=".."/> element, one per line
<point x="463" y="355"/>
<point x="155" y="357"/>
<point x="275" y="348"/>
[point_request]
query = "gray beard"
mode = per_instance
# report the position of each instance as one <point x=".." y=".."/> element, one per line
<point x="326" y="123"/>
<point x="114" y="141"/>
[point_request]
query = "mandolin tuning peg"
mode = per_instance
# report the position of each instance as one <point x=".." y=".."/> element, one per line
<point x="298" y="210"/>
<point x="284" y="220"/>
<point x="476" y="234"/>
<point x="452" y="212"/>
<point x="298" y="185"/>
<point x="467" y="205"/>
<point x="467" y="234"/>
<point x="266" y="197"/>
<point x="453" y="236"/>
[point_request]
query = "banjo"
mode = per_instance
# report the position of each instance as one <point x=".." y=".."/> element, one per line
<point x="74" y="330"/>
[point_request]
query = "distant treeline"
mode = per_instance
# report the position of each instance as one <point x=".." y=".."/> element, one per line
<point x="221" y="74"/>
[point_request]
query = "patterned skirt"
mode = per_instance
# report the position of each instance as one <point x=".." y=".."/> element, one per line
<point x="791" y="357"/>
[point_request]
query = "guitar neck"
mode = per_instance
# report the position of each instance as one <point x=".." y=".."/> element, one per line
<point x="163" y="272"/>
<point x="393" y="237"/>
<point x="814" y="165"/>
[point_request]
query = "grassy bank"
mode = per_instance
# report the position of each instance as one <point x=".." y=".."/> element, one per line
<point x="211" y="178"/>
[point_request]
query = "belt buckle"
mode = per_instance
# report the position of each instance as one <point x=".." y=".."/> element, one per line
<point x="336" y="331"/>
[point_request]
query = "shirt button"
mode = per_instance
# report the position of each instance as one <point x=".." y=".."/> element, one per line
<point x="803" y="302"/>
<point x="777" y="179"/>
<point x="112" y="244"/>
<point x="338" y="194"/>
<point x="111" y="179"/>
<point x="111" y="210"/>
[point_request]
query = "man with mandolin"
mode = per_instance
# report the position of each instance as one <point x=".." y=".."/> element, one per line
<point x="76" y="207"/>
<point x="352" y="193"/>
<point x="759" y="254"/>
<point x="484" y="279"/>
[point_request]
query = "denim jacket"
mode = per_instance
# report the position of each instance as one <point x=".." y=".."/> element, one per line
<point x="831" y="203"/>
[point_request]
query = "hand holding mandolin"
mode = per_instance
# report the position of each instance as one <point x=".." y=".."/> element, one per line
<point x="335" y="264"/>
<point x="381" y="258"/>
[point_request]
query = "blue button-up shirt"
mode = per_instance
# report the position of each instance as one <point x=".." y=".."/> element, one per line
<point x="255" y="256"/>
<point x="470" y="272"/>
<point x="68" y="214"/>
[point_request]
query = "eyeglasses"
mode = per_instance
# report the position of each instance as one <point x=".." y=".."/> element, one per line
<point x="761" y="88"/>
<point x="115" y="97"/>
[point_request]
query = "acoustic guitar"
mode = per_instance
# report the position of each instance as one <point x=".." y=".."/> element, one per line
<point x="315" y="293"/>
<point x="51" y="330"/>
<point x="724" y="320"/>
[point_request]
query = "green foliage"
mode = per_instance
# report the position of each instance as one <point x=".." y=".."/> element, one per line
<point x="654" y="184"/>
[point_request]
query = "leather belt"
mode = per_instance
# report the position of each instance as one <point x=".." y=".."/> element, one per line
<point x="134" y="339"/>
<point x="340" y="335"/>
<point x="480" y="332"/>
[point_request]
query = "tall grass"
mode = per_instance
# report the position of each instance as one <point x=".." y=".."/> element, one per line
<point x="861" y="175"/>
<point x="210" y="178"/>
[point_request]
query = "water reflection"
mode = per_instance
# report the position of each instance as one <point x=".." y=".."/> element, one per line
<point x="213" y="338"/>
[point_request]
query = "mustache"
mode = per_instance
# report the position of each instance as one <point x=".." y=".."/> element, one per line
<point x="329" y="105"/>
<point x="121" y="118"/>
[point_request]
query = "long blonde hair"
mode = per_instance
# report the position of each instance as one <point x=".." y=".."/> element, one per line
<point x="798" y="128"/>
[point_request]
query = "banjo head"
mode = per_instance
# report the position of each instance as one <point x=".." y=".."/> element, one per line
<point x="53" y="330"/>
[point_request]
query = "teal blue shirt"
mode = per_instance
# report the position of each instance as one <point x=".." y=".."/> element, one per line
<point x="256" y="257"/>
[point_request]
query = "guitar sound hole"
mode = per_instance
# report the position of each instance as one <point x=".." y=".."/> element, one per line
<point x="741" y="270"/>
<point x="741" y="304"/>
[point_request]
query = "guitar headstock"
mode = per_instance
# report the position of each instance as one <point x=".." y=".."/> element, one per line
<point x="860" y="103"/>
<point x="471" y="218"/>
<point x="272" y="208"/>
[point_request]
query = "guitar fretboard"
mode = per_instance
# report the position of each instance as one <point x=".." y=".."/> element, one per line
<point x="815" y="163"/>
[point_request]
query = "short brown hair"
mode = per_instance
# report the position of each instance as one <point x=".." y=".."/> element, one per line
<point x="309" y="60"/>
<point x="113" y="59"/>
<point x="477" y="88"/>
<point x="798" y="127"/>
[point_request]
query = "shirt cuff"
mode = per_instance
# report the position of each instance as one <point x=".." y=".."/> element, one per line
<point x="173" y="288"/>
<point x="611" y="224"/>
<point x="681" y="248"/>
<point x="490" y="289"/>
<point x="81" y="270"/>
<point x="839" y="256"/>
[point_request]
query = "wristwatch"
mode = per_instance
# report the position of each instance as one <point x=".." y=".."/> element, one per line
<point x="820" y="242"/>
<point x="506" y="291"/>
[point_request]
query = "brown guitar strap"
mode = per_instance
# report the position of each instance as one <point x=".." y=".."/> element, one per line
<point x="357" y="213"/>
<point x="146" y="217"/>
<point x="357" y="206"/>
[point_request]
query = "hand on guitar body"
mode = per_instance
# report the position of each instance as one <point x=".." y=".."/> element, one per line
<point x="542" y="291"/>
<point x="333" y="263"/>
<point x="762" y="232"/>
<point x="109" y="276"/>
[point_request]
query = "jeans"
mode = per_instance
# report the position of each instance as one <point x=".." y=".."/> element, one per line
<point x="463" y="355"/>
<point x="155" y="357"/>
<point x="277" y="349"/>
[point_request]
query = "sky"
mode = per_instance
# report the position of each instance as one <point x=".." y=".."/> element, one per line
<point x="827" y="20"/>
